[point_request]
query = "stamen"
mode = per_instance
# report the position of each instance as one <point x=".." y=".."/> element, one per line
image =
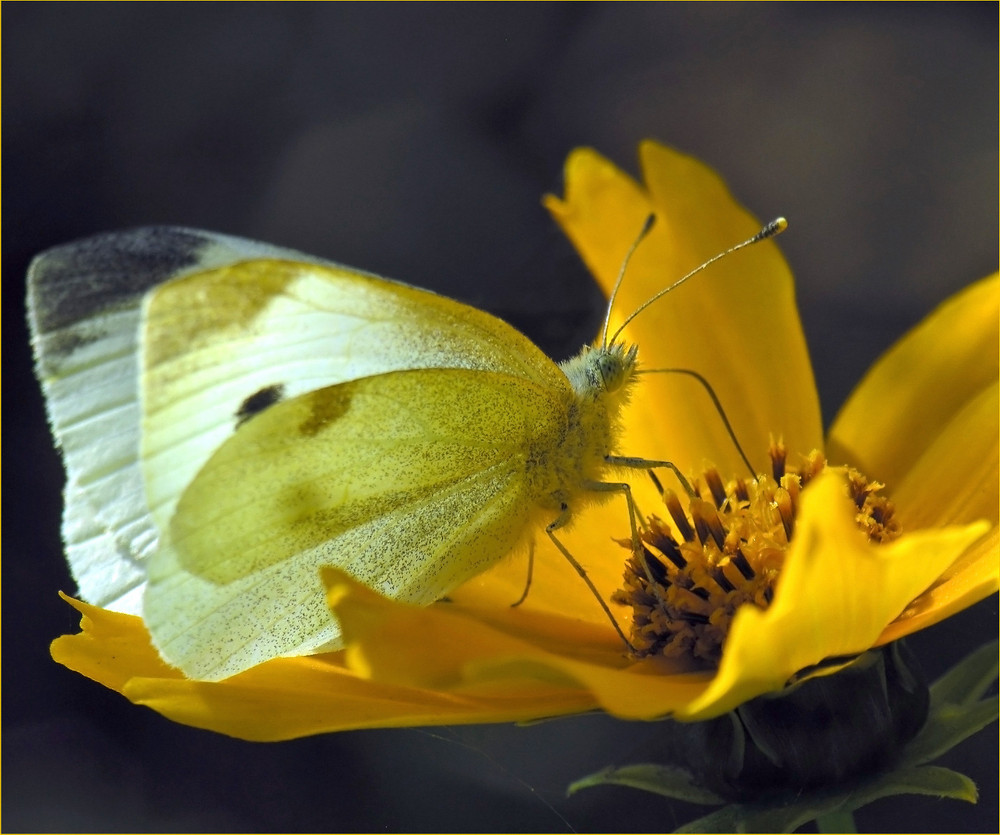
<point x="706" y="522"/>
<point x="656" y="568"/>
<point x="700" y="525"/>
<point x="778" y="454"/>
<point x="716" y="486"/>
<point x="783" y="502"/>
<point x="792" y="482"/>
<point x="744" y="567"/>
<point x="673" y="553"/>
<point x="683" y="595"/>
<point x="715" y="528"/>
<point x="677" y="514"/>
<point x="722" y="580"/>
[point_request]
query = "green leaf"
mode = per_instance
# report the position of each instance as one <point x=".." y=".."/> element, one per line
<point x="738" y="817"/>
<point x="668" y="781"/>
<point x="968" y="679"/>
<point x="788" y="814"/>
<point x="842" y="822"/>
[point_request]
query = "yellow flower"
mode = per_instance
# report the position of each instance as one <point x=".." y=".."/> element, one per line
<point x="923" y="422"/>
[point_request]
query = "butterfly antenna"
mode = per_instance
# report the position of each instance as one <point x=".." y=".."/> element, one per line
<point x="775" y="227"/>
<point x="718" y="408"/>
<point x="646" y="226"/>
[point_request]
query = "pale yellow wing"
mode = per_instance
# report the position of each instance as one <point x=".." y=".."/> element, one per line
<point x="412" y="481"/>
<point x="222" y="345"/>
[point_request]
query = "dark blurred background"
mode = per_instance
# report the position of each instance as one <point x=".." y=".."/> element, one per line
<point x="415" y="141"/>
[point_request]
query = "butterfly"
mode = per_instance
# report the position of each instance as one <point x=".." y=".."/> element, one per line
<point x="233" y="416"/>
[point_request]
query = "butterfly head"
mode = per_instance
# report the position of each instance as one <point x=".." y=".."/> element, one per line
<point x="614" y="365"/>
<point x="599" y="370"/>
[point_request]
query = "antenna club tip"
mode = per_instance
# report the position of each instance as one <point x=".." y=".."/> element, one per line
<point x="775" y="227"/>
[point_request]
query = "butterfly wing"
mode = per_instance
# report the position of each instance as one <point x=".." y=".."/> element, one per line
<point x="411" y="481"/>
<point x="84" y="309"/>
<point x="224" y="344"/>
<point x="113" y="348"/>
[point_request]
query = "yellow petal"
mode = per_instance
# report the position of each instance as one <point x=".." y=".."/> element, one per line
<point x="956" y="479"/>
<point x="971" y="578"/>
<point x="737" y="324"/>
<point x="914" y="391"/>
<point x="294" y="697"/>
<point x="282" y="699"/>
<point x="110" y="649"/>
<point x="836" y="594"/>
<point x="550" y="660"/>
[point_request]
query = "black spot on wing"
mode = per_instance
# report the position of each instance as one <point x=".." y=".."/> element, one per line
<point x="73" y="282"/>
<point x="258" y="402"/>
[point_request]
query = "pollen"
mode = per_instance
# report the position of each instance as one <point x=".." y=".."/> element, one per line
<point x="725" y="550"/>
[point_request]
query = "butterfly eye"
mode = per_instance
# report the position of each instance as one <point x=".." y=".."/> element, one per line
<point x="610" y="370"/>
<point x="614" y="365"/>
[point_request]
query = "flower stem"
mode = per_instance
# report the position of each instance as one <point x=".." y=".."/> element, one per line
<point x="836" y="822"/>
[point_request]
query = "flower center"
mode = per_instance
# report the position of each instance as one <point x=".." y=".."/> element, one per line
<point x="732" y="544"/>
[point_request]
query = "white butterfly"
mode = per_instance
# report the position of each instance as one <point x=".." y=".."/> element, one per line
<point x="234" y="416"/>
<point x="217" y="458"/>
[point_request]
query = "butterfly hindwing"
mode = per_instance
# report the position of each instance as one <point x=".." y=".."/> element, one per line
<point x="221" y="345"/>
<point x="412" y="481"/>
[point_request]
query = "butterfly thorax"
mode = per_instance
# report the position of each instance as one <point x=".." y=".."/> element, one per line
<point x="600" y="379"/>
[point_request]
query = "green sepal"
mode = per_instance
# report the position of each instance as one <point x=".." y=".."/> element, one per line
<point x="969" y="678"/>
<point x="948" y="726"/>
<point x="665" y="780"/>
<point x="957" y="710"/>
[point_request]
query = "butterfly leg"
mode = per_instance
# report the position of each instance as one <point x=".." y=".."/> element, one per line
<point x="531" y="569"/>
<point x="583" y="575"/>
<point x="638" y="549"/>
<point x="646" y="464"/>
<point x="561" y="520"/>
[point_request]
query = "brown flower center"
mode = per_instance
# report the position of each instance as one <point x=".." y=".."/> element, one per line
<point x="729" y="548"/>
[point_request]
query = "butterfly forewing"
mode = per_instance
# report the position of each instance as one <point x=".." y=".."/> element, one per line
<point x="84" y="308"/>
